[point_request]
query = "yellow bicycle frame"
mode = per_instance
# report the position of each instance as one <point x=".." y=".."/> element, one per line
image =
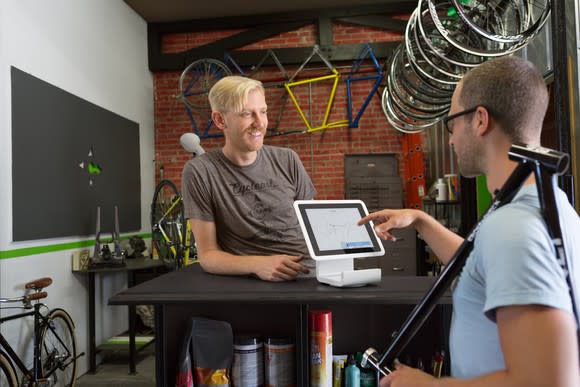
<point x="325" y="124"/>
<point x="187" y="245"/>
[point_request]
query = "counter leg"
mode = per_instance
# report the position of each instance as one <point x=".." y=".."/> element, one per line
<point x="302" y="348"/>
<point x="132" y="350"/>
<point x="132" y="313"/>
<point x="92" y="350"/>
<point x="160" y="352"/>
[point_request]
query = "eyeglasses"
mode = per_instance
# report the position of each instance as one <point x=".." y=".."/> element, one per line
<point x="454" y="116"/>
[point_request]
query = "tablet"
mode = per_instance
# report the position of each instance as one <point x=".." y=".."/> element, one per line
<point x="331" y="231"/>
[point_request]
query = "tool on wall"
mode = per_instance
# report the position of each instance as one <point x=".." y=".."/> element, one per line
<point x="102" y="254"/>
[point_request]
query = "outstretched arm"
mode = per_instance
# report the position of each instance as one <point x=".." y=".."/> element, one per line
<point x="214" y="260"/>
<point x="442" y="241"/>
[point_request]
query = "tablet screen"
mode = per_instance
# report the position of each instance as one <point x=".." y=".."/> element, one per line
<point x="331" y="229"/>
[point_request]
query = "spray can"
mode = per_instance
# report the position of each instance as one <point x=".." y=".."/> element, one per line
<point x="279" y="362"/>
<point x="248" y="362"/>
<point x="320" y="334"/>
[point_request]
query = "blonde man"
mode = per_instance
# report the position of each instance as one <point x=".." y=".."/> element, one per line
<point x="239" y="199"/>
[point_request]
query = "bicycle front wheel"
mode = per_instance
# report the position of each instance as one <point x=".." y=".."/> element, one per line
<point x="58" y="349"/>
<point x="7" y="372"/>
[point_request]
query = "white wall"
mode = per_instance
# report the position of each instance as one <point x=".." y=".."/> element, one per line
<point x="96" y="50"/>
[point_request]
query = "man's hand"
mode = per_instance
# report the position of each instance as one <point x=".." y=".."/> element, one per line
<point x="279" y="267"/>
<point x="404" y="376"/>
<point x="387" y="220"/>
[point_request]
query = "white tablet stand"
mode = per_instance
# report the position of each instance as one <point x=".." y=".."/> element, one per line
<point x="335" y="261"/>
<point x="341" y="273"/>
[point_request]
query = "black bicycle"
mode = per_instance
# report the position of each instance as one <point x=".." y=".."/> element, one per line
<point x="54" y="345"/>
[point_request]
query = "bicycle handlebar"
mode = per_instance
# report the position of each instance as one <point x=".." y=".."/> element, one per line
<point x="37" y="296"/>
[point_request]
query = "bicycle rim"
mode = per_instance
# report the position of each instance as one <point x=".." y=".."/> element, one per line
<point x="440" y="46"/>
<point x="450" y="72"/>
<point x="166" y="222"/>
<point x="7" y="372"/>
<point x="197" y="79"/>
<point x="504" y="21"/>
<point x="58" y="349"/>
<point x="401" y="122"/>
<point x="458" y="33"/>
<point x="404" y="74"/>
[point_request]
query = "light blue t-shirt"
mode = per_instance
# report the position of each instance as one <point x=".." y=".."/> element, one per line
<point x="513" y="262"/>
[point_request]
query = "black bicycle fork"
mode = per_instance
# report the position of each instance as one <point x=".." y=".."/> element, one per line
<point x="545" y="164"/>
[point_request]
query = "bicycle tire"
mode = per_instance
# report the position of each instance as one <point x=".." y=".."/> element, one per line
<point x="197" y="79"/>
<point x="7" y="372"/>
<point x="58" y="349"/>
<point x="167" y="225"/>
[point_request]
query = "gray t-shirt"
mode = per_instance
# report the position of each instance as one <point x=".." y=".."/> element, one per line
<point x="251" y="206"/>
<point x="513" y="262"/>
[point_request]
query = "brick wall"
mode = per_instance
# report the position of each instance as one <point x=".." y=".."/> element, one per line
<point x="321" y="152"/>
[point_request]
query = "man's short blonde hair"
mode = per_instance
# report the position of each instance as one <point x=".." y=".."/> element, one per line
<point x="230" y="94"/>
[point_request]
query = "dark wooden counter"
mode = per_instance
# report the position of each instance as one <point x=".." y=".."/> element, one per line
<point x="362" y="317"/>
<point x="191" y="284"/>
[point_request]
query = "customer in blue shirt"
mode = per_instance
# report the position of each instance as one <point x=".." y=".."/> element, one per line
<point x="513" y="323"/>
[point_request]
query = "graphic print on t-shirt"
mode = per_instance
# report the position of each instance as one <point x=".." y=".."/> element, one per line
<point x="243" y="189"/>
<point x="264" y="214"/>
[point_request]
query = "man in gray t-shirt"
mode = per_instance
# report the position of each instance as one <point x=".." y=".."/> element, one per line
<point x="239" y="199"/>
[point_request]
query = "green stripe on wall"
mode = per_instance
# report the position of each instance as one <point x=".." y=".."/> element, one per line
<point x="26" y="251"/>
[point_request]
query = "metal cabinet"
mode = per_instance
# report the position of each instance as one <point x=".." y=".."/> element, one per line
<point x="374" y="179"/>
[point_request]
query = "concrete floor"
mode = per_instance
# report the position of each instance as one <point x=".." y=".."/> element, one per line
<point x="114" y="371"/>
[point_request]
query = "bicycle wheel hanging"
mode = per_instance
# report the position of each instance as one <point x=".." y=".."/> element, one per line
<point x="443" y="40"/>
<point x="59" y="349"/>
<point x="197" y="79"/>
<point x="505" y="28"/>
<point x="167" y="223"/>
<point x="504" y="21"/>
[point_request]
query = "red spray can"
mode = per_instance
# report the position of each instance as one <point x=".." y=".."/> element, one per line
<point x="320" y="334"/>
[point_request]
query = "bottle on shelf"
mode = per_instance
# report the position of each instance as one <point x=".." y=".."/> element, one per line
<point x="352" y="373"/>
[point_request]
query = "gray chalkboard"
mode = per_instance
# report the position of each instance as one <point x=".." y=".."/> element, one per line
<point x="59" y="143"/>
